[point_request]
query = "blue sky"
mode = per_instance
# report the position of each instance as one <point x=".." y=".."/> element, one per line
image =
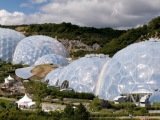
<point x="17" y="5"/>
<point x="117" y="14"/>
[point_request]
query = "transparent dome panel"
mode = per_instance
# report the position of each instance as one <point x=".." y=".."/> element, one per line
<point x="84" y="69"/>
<point x="135" y="68"/>
<point x="112" y="92"/>
<point x="126" y="84"/>
<point x="37" y="46"/>
<point x="8" y="41"/>
<point x="52" y="76"/>
<point x="52" y="59"/>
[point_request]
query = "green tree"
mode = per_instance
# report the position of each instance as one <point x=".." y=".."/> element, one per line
<point x="68" y="112"/>
<point x="81" y="113"/>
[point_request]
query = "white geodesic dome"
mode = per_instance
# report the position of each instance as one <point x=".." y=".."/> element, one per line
<point x="53" y="76"/>
<point x="82" y="74"/>
<point x="33" y="47"/>
<point x="133" y="70"/>
<point x="52" y="59"/>
<point x="8" y="42"/>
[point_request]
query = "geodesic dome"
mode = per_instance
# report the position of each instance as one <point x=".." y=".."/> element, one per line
<point x="82" y="74"/>
<point x="52" y="76"/>
<point x="133" y="70"/>
<point x="33" y="47"/>
<point x="52" y="59"/>
<point x="8" y="42"/>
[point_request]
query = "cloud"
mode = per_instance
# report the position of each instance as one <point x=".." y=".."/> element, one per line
<point x="121" y="14"/>
<point x="30" y="3"/>
<point x="14" y="18"/>
<point x="37" y="1"/>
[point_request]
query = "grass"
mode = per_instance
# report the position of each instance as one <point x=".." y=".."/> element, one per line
<point x="7" y="102"/>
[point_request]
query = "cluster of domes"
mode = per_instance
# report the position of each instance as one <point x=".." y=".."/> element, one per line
<point x="133" y="70"/>
<point x="17" y="48"/>
<point x="81" y="74"/>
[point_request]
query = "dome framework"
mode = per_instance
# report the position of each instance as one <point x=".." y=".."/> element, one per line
<point x="133" y="70"/>
<point x="8" y="42"/>
<point x="32" y="48"/>
<point x="82" y="74"/>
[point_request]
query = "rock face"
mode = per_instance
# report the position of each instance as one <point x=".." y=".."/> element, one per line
<point x="76" y="45"/>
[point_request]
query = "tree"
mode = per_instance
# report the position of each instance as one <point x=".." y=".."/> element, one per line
<point x="81" y="113"/>
<point x="2" y="104"/>
<point x="68" y="112"/>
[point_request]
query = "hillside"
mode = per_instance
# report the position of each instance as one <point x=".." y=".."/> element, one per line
<point x="82" y="40"/>
<point x="40" y="71"/>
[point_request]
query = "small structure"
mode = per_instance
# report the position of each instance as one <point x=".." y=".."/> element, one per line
<point x="25" y="102"/>
<point x="119" y="99"/>
<point x="8" y="79"/>
<point x="144" y="101"/>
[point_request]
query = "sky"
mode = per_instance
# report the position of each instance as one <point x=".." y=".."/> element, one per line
<point x="117" y="14"/>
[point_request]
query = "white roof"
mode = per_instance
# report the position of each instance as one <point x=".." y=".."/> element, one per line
<point x="6" y="80"/>
<point x="143" y="99"/>
<point x="31" y="103"/>
<point x="118" y="97"/>
<point x="25" y="99"/>
<point x="9" y="78"/>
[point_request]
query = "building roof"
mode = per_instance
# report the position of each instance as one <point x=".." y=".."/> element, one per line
<point x="25" y="99"/>
<point x="10" y="78"/>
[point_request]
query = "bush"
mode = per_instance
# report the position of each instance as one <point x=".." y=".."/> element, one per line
<point x="105" y="104"/>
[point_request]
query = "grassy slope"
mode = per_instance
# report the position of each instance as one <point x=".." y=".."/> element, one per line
<point x="41" y="71"/>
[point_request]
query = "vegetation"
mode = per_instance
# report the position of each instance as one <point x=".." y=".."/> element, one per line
<point x="80" y="113"/>
<point x="13" y="113"/>
<point x="109" y="39"/>
<point x="40" y="90"/>
<point x="7" y="69"/>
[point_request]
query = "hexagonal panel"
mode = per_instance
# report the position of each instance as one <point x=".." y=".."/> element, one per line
<point x="154" y="65"/>
<point x="142" y="73"/>
<point x="107" y="83"/>
<point x="80" y="88"/>
<point x="80" y="71"/>
<point x="112" y="92"/>
<point x="127" y="57"/>
<point x="154" y="52"/>
<point x="127" y="69"/>
<point x="142" y="59"/>
<point x="141" y="88"/>
<point x="126" y="85"/>
<point x="93" y="69"/>
<point x="117" y="78"/>
<point x="113" y="61"/>
<point x="115" y="68"/>
<point x="90" y="87"/>
<point x="94" y="79"/>
<point x="154" y="81"/>
<point x="52" y="59"/>
<point x="74" y="82"/>
<point x="142" y="48"/>
<point x="86" y="79"/>
<point x="103" y="94"/>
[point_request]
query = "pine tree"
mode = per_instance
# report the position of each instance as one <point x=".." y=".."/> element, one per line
<point x="81" y="113"/>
